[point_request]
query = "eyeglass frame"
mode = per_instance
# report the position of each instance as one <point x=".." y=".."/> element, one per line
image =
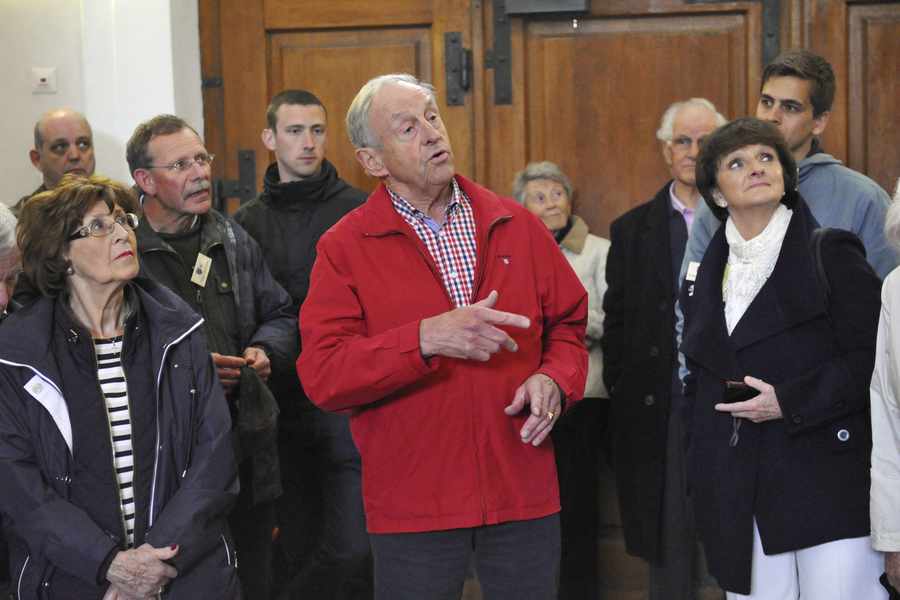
<point x="184" y="164"/>
<point x="128" y="221"/>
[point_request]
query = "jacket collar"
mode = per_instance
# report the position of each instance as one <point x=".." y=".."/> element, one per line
<point x="577" y="236"/>
<point x="212" y="233"/>
<point x="28" y="334"/>
<point x="379" y="217"/>
<point x="656" y="235"/>
<point x="791" y="295"/>
<point x="296" y="195"/>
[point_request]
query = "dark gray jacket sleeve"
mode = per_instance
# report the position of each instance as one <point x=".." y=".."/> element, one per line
<point x="273" y="314"/>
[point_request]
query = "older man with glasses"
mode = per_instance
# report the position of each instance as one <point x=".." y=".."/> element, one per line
<point x="251" y="329"/>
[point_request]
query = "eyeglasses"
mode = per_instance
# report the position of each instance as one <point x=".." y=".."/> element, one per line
<point x="103" y="226"/>
<point x="683" y="141"/>
<point x="180" y="166"/>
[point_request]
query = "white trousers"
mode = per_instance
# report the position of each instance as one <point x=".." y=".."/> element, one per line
<point x="840" y="570"/>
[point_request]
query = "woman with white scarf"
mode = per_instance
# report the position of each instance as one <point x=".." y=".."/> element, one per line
<point x="779" y="338"/>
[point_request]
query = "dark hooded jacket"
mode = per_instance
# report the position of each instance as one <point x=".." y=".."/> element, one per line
<point x="60" y="499"/>
<point x="287" y="220"/>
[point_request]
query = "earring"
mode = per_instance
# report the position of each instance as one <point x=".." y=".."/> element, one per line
<point x="719" y="199"/>
<point x="70" y="271"/>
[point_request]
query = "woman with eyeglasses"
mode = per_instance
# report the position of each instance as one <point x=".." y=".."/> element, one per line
<point x="115" y="454"/>
<point x="780" y="323"/>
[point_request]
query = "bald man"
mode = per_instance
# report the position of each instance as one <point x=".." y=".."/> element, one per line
<point x="63" y="143"/>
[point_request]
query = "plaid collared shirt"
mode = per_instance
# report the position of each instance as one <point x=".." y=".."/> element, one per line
<point x="451" y="245"/>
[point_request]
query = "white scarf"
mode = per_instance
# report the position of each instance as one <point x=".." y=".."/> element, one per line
<point x="750" y="263"/>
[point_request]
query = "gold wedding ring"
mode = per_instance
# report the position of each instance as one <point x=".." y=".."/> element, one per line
<point x="550" y="415"/>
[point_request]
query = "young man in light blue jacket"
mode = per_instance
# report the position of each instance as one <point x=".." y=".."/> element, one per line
<point x="797" y="92"/>
<point x="796" y="95"/>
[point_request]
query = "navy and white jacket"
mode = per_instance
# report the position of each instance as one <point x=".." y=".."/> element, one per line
<point x="59" y="496"/>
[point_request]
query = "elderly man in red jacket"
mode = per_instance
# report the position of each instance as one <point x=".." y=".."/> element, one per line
<point x="446" y="321"/>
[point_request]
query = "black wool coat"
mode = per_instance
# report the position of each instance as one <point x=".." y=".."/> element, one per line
<point x="638" y="357"/>
<point x="805" y="477"/>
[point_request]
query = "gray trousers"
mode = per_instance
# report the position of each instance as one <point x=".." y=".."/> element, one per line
<point x="515" y="560"/>
<point x="682" y="571"/>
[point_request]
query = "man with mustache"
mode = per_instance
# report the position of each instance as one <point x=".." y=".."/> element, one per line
<point x="213" y="264"/>
<point x="63" y="143"/>
<point x="323" y="550"/>
<point x="444" y="319"/>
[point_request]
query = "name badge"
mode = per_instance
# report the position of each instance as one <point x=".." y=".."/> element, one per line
<point x="691" y="274"/>
<point x="201" y="269"/>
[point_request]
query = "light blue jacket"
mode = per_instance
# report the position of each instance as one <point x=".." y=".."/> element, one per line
<point x="837" y="197"/>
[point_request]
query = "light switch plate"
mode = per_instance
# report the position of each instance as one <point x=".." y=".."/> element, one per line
<point x="43" y="80"/>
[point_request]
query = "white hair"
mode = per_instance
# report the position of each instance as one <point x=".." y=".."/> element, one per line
<point x="666" y="125"/>
<point x="361" y="135"/>
<point x="7" y="229"/>
<point x="892" y="220"/>
<point x="539" y="170"/>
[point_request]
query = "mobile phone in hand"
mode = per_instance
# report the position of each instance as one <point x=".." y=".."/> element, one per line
<point x="738" y="391"/>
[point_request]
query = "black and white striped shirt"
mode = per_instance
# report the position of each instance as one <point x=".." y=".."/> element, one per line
<point x="113" y="384"/>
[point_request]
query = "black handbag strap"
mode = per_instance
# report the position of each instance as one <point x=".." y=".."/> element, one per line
<point x="815" y="242"/>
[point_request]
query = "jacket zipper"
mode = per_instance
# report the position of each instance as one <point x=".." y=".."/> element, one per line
<point x="480" y="274"/>
<point x="190" y="448"/>
<point x="227" y="551"/>
<point x="162" y="364"/>
<point x="22" y="576"/>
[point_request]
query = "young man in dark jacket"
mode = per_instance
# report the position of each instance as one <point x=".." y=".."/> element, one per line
<point x="218" y="269"/>
<point x="325" y="549"/>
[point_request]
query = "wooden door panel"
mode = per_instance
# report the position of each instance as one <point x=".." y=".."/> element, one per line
<point x="595" y="94"/>
<point x="331" y="47"/>
<point x="301" y="14"/>
<point x="862" y="43"/>
<point x="335" y="64"/>
<point x="874" y="92"/>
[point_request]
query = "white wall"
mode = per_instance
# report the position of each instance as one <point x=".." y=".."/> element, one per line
<point x="118" y="61"/>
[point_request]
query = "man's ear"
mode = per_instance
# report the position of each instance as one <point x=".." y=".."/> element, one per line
<point x="144" y="181"/>
<point x="268" y="139"/>
<point x="667" y="152"/>
<point x="35" y="157"/>
<point x="370" y="160"/>
<point x="820" y="123"/>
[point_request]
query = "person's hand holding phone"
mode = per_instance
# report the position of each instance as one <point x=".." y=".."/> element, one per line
<point x="752" y="399"/>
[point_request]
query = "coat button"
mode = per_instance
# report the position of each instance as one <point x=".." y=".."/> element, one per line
<point x="654" y="351"/>
<point x="843" y="435"/>
<point x="797" y="420"/>
<point x="649" y="400"/>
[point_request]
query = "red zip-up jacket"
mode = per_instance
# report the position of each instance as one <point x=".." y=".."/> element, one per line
<point x="438" y="452"/>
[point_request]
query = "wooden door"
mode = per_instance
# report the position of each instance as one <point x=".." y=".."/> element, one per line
<point x="255" y="48"/>
<point x="588" y="93"/>
<point x="862" y="42"/>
